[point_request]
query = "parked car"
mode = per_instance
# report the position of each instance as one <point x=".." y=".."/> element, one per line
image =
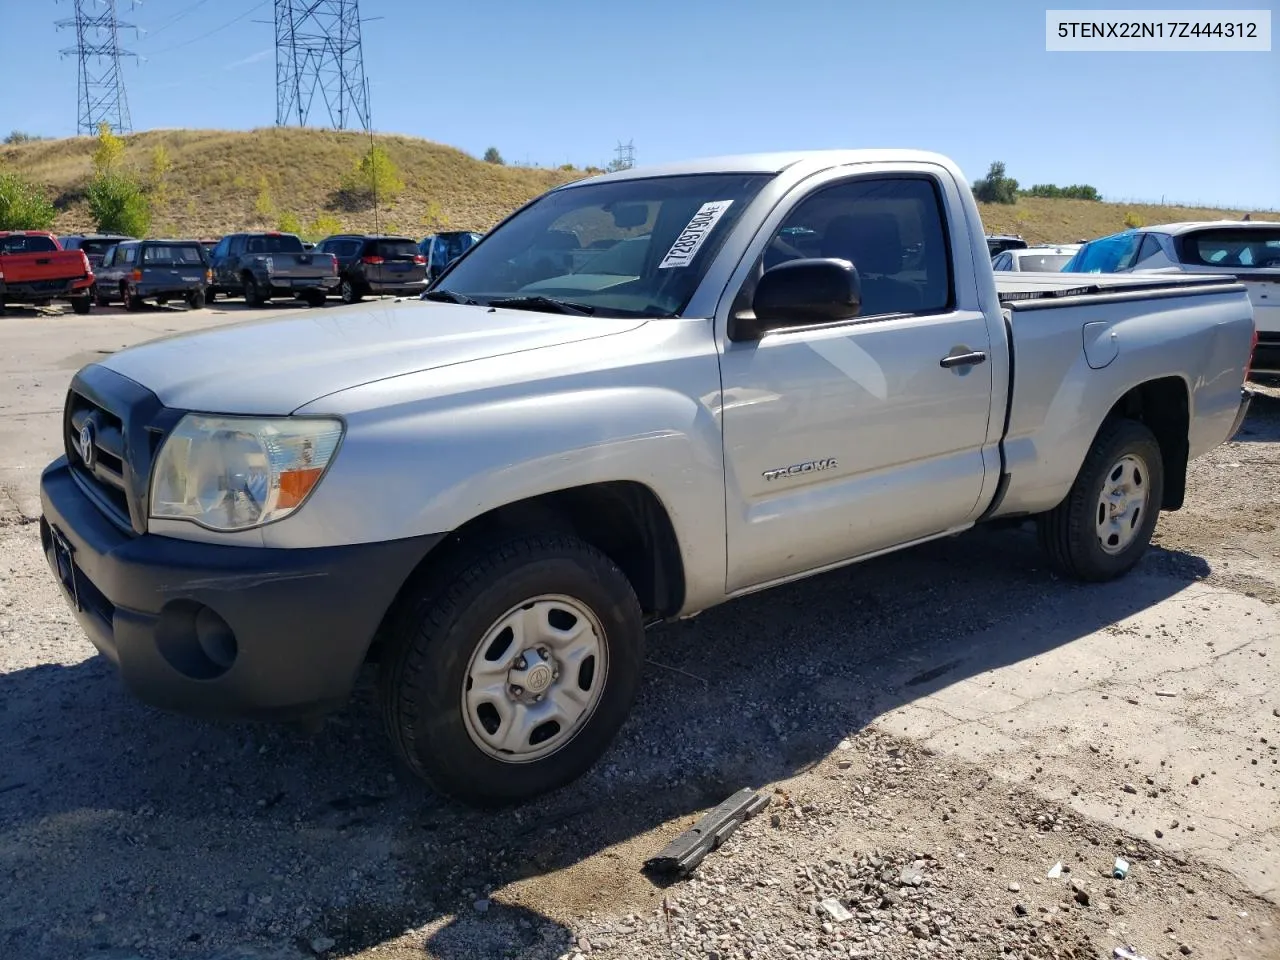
<point x="35" y="269"/>
<point x="504" y="488"/>
<point x="94" y="245"/>
<point x="1000" y="242"/>
<point x="1037" y="259"/>
<point x="259" y="266"/>
<point x="376" y="264"/>
<point x="441" y="249"/>
<point x="1249" y="251"/>
<point x="161" y="270"/>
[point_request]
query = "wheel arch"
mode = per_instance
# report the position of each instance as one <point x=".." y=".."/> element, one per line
<point x="1163" y="405"/>
<point x="625" y="520"/>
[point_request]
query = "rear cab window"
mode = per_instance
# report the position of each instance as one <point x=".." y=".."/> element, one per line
<point x="20" y="243"/>
<point x="1106" y="255"/>
<point x="274" y="243"/>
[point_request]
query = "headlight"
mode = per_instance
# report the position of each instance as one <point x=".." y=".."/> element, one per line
<point x="233" y="473"/>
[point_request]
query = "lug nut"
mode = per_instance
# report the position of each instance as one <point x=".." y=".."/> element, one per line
<point x="516" y="691"/>
<point x="537" y="698"/>
<point x="555" y="675"/>
<point x="520" y="664"/>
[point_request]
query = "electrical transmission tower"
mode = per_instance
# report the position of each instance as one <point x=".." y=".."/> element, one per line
<point x="625" y="155"/>
<point x="318" y="53"/>
<point x="99" y="83"/>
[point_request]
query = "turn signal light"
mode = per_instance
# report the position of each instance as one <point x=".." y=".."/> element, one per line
<point x="136" y="275"/>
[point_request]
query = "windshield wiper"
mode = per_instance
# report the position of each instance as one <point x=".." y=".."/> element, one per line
<point x="448" y="296"/>
<point x="550" y="304"/>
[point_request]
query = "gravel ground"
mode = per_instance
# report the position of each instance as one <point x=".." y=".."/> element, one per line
<point x="128" y="833"/>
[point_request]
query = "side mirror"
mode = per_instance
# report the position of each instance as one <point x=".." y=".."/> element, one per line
<point x="801" y="293"/>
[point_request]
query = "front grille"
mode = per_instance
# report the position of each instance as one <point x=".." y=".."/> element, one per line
<point x="123" y="424"/>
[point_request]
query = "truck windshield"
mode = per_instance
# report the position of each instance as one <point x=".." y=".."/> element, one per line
<point x="19" y="243"/>
<point x="627" y="248"/>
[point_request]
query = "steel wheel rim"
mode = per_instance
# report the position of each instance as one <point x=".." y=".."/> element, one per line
<point x="535" y="679"/>
<point x="1122" y="504"/>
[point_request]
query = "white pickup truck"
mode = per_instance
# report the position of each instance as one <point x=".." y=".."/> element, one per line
<point x="640" y="396"/>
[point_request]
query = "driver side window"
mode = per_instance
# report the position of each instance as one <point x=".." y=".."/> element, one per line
<point x="890" y="229"/>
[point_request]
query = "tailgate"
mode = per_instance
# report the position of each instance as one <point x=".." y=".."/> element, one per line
<point x="32" y="267"/>
<point x="299" y="266"/>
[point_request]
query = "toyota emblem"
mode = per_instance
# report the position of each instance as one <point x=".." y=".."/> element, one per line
<point x="88" y="452"/>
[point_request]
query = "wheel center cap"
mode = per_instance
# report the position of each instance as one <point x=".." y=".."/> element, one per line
<point x="538" y="678"/>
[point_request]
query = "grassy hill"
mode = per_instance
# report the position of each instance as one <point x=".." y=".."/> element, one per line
<point x="221" y="181"/>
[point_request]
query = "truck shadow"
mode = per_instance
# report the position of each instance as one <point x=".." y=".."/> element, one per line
<point x="1263" y="422"/>
<point x="265" y="835"/>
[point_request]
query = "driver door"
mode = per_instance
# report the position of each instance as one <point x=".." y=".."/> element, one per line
<point x="847" y="438"/>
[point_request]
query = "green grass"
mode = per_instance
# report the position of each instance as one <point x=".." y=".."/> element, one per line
<point x="216" y="185"/>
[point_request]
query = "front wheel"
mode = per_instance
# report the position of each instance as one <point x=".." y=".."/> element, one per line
<point x="195" y="300"/>
<point x="130" y="299"/>
<point x="349" y="291"/>
<point x="1103" y="527"/>
<point x="252" y="294"/>
<point x="509" y="676"/>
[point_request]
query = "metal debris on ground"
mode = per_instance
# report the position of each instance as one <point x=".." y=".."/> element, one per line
<point x="1121" y="869"/>
<point x="835" y="910"/>
<point x="683" y="854"/>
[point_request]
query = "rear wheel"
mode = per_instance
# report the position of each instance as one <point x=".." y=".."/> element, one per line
<point x="252" y="294"/>
<point x="81" y="305"/>
<point x="129" y="298"/>
<point x="349" y="291"/>
<point x="1103" y="527"/>
<point x="509" y="676"/>
<point x="195" y="300"/>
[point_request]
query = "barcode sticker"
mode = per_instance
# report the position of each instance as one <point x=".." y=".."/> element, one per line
<point x="686" y="246"/>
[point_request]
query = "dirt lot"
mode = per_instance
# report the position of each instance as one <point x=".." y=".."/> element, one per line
<point x="936" y="730"/>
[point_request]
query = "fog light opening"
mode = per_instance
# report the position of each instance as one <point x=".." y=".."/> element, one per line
<point x="195" y="641"/>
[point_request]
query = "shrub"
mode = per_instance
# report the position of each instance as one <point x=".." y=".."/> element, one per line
<point x="325" y="225"/>
<point x="263" y="205"/>
<point x="109" y="151"/>
<point x="289" y="223"/>
<point x="1133" y="221"/>
<point x="493" y="156"/>
<point x="1077" y="191"/>
<point x="23" y="206"/>
<point x="995" y="187"/>
<point x="118" y="205"/>
<point x="20" y="136"/>
<point x="374" y="177"/>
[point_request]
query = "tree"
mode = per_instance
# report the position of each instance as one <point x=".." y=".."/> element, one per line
<point x="23" y="206"/>
<point x="263" y="205"/>
<point x="19" y="136"/>
<point x="493" y="156"/>
<point x="374" y="177"/>
<point x="995" y="187"/>
<point x="289" y="223"/>
<point x="1077" y="191"/>
<point x="117" y="201"/>
<point x="325" y="225"/>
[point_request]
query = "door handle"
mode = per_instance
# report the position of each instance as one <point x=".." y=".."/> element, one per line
<point x="963" y="359"/>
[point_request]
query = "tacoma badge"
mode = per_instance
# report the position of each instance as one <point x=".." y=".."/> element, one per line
<point x="809" y="466"/>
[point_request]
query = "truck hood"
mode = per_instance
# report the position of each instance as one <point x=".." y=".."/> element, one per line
<point x="275" y="366"/>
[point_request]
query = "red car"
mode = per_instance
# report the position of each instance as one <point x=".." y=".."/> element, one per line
<point x="35" y="269"/>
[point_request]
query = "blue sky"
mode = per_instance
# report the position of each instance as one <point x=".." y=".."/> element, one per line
<point x="556" y="81"/>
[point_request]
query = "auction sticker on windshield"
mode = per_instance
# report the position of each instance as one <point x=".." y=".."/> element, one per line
<point x="686" y="246"/>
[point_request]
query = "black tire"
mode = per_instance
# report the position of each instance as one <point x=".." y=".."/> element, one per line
<point x="195" y="300"/>
<point x="313" y="298"/>
<point x="210" y="295"/>
<point x="100" y="298"/>
<point x="131" y="302"/>
<point x="436" y="633"/>
<point x="81" y="305"/>
<point x="350" y="291"/>
<point x="1068" y="533"/>
<point x="252" y="295"/>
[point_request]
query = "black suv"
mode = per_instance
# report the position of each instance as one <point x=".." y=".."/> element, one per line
<point x="94" y="245"/>
<point x="373" y="265"/>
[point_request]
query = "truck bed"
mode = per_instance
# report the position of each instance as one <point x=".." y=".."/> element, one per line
<point x="1044" y="289"/>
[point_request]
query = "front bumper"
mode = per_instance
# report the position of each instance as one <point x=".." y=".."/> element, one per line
<point x="216" y="630"/>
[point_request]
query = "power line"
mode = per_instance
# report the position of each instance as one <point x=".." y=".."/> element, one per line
<point x="180" y="15"/>
<point x="208" y="33"/>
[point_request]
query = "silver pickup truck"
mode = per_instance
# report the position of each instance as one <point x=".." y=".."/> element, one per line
<point x="640" y="396"/>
